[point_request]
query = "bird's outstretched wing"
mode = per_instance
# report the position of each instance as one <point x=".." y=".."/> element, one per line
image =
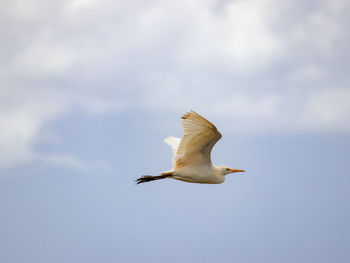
<point x="198" y="140"/>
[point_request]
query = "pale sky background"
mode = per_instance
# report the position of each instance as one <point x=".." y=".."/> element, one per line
<point x="89" y="89"/>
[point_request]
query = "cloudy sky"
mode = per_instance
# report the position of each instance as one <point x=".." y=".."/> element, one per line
<point x="88" y="90"/>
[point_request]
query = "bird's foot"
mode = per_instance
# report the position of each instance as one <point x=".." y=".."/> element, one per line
<point x="144" y="179"/>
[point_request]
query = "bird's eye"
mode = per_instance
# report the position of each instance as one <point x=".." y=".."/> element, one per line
<point x="227" y="169"/>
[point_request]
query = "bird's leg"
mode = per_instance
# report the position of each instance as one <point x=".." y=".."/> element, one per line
<point x="149" y="178"/>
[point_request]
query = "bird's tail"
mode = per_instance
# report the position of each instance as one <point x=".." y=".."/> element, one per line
<point x="149" y="178"/>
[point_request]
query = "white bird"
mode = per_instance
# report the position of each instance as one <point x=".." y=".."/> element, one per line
<point x="191" y="161"/>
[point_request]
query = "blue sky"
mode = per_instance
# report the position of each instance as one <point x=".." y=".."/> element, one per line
<point x="89" y="89"/>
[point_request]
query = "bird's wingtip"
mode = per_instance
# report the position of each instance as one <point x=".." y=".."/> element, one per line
<point x="187" y="114"/>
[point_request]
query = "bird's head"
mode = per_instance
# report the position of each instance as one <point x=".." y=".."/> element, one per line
<point x="227" y="170"/>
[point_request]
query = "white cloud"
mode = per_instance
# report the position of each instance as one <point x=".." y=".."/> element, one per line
<point x="238" y="38"/>
<point x="322" y="29"/>
<point x="42" y="58"/>
<point x="329" y="110"/>
<point x="251" y="60"/>
<point x="78" y="5"/>
<point x="63" y="159"/>
<point x="23" y="111"/>
<point x="309" y="73"/>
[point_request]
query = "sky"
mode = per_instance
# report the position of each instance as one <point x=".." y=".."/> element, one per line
<point x="89" y="89"/>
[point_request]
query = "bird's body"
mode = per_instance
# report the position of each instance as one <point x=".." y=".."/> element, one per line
<point x="191" y="161"/>
<point x="199" y="174"/>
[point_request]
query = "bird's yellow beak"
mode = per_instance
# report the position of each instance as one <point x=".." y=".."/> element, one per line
<point x="236" y="170"/>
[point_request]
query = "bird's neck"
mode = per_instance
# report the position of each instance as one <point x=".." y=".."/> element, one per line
<point x="218" y="170"/>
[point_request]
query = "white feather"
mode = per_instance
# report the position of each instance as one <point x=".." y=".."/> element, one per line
<point x="173" y="142"/>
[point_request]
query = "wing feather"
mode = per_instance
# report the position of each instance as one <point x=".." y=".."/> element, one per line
<point x="200" y="136"/>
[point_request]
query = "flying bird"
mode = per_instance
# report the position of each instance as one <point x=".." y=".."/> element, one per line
<point x="191" y="160"/>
